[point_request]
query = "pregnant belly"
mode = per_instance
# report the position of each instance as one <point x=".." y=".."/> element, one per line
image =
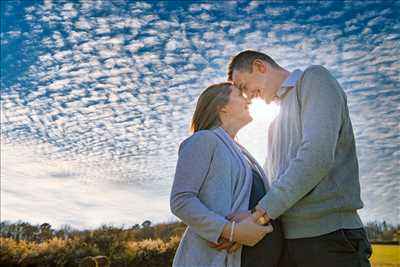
<point x="267" y="252"/>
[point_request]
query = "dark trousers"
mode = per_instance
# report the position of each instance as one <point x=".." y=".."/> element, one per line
<point x="342" y="248"/>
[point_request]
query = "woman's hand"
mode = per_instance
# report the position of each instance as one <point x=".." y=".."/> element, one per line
<point x="238" y="216"/>
<point x="246" y="222"/>
<point x="225" y="245"/>
<point x="248" y="232"/>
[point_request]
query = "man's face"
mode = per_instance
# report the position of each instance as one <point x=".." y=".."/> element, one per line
<point x="246" y="83"/>
<point x="254" y="84"/>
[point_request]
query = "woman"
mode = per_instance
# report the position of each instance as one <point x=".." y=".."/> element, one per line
<point x="215" y="177"/>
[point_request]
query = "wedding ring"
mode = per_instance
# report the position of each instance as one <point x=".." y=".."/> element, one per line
<point x="262" y="220"/>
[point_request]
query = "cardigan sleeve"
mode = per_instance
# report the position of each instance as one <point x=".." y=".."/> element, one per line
<point x="195" y="155"/>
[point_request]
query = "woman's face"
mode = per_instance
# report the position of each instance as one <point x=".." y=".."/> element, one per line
<point x="237" y="108"/>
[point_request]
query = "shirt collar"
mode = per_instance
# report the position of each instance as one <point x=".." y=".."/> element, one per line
<point x="290" y="82"/>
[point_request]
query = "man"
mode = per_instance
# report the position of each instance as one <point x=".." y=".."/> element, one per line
<point x="311" y="161"/>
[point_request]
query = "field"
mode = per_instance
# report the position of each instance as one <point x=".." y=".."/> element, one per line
<point x="386" y="256"/>
<point x="22" y="244"/>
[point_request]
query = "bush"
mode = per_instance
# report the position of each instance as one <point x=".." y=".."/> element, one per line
<point x="119" y="247"/>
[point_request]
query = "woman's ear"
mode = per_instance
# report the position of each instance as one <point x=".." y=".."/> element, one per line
<point x="222" y="110"/>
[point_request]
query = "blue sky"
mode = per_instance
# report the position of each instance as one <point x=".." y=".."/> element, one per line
<point x="97" y="96"/>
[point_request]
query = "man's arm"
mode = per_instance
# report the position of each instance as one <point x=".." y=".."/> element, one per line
<point x="322" y="105"/>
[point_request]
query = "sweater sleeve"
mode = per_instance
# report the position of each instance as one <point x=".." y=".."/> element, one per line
<point x="195" y="155"/>
<point x="322" y="105"/>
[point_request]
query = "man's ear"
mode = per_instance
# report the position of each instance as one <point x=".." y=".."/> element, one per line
<point x="260" y="66"/>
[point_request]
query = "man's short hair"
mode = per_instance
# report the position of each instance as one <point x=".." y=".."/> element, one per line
<point x="244" y="61"/>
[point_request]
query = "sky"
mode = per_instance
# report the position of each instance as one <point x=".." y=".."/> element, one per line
<point x="96" y="96"/>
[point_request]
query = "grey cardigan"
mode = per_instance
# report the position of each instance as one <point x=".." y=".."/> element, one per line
<point x="212" y="179"/>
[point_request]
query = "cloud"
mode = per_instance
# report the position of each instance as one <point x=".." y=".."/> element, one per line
<point x="201" y="7"/>
<point x="56" y="187"/>
<point x="278" y="11"/>
<point x="252" y="6"/>
<point x="111" y="90"/>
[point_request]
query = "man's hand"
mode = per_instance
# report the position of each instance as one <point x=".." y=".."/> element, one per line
<point x="248" y="232"/>
<point x="261" y="215"/>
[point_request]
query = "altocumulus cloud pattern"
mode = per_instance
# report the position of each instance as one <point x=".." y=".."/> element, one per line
<point x="103" y="92"/>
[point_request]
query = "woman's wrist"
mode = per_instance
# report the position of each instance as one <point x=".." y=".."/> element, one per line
<point x="232" y="231"/>
<point x="226" y="232"/>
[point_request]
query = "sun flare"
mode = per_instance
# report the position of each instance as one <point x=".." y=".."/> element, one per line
<point x="260" y="111"/>
<point x="254" y="135"/>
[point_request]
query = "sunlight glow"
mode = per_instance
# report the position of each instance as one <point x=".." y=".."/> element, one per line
<point x="260" y="111"/>
<point x="254" y="135"/>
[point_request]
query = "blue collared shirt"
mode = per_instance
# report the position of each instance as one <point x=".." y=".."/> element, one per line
<point x="289" y="83"/>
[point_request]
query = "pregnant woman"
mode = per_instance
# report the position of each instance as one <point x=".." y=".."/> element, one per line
<point x="215" y="177"/>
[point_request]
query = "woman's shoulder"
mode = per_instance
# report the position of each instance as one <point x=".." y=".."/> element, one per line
<point x="203" y="138"/>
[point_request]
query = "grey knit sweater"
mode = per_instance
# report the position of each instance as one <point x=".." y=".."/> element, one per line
<point x="312" y="160"/>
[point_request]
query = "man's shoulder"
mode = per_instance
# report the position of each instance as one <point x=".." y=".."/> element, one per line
<point x="317" y="70"/>
<point x="319" y="74"/>
<point x="318" y="78"/>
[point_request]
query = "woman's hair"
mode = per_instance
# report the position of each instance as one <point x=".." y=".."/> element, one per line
<point x="210" y="102"/>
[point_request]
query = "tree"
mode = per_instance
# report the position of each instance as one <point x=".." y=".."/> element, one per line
<point x="146" y="223"/>
<point x="135" y="227"/>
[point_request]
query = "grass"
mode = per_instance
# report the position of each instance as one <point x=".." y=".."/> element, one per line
<point x="385" y="256"/>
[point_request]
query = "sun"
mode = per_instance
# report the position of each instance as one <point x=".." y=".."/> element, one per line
<point x="254" y="135"/>
<point x="260" y="111"/>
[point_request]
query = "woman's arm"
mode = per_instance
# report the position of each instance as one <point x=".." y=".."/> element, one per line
<point x="194" y="160"/>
